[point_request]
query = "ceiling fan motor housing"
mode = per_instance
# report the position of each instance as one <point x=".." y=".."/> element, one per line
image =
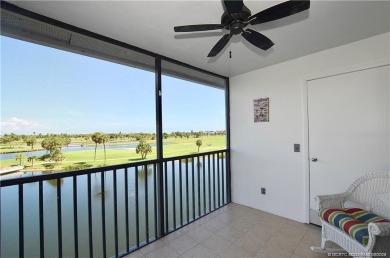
<point x="235" y="21"/>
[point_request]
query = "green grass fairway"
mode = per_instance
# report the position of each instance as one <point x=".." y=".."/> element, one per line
<point x="85" y="158"/>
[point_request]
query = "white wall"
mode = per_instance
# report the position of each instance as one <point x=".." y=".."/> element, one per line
<point x="262" y="153"/>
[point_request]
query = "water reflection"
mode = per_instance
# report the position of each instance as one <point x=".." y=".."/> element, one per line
<point x="97" y="185"/>
<point x="141" y="172"/>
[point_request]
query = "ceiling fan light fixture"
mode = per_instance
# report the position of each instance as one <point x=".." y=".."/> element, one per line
<point x="238" y="16"/>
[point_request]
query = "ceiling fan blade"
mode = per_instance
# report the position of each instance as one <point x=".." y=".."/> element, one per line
<point x="233" y="6"/>
<point x="257" y="39"/>
<point x="220" y="45"/>
<point x="279" y="11"/>
<point x="200" y="27"/>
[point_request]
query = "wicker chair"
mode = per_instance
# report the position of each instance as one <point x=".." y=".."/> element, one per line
<point x="373" y="192"/>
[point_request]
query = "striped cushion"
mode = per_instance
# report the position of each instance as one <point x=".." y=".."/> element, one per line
<point x="333" y="216"/>
<point x="356" y="229"/>
<point x="353" y="227"/>
<point x="364" y="216"/>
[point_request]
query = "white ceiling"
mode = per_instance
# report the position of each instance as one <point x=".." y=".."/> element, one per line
<point x="149" y="25"/>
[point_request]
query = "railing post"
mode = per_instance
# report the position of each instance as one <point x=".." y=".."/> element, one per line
<point x="75" y="219"/>
<point x="21" y="222"/>
<point x="41" y="225"/>
<point x="59" y="217"/>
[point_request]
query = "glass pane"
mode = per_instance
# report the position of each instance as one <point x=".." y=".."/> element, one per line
<point x="64" y="111"/>
<point x="194" y="117"/>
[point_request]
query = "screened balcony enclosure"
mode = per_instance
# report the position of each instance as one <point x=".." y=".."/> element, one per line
<point x="107" y="197"/>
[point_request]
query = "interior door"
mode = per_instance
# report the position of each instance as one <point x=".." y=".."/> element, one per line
<point x="348" y="130"/>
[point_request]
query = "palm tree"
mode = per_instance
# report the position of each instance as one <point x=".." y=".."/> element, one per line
<point x="103" y="139"/>
<point x="20" y="157"/>
<point x="31" y="141"/>
<point x="31" y="159"/>
<point x="96" y="138"/>
<point x="199" y="143"/>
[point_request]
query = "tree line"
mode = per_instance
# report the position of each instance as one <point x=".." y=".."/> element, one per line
<point x="53" y="143"/>
<point x="9" y="139"/>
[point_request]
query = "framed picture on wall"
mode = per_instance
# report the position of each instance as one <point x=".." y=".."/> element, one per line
<point x="261" y="110"/>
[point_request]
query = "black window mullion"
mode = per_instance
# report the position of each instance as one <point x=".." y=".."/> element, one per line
<point x="159" y="146"/>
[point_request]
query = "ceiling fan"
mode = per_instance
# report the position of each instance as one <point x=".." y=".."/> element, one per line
<point x="238" y="16"/>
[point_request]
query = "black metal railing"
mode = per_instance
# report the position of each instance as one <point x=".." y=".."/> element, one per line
<point x="109" y="211"/>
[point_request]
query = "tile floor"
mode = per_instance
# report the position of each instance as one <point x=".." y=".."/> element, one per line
<point x="237" y="231"/>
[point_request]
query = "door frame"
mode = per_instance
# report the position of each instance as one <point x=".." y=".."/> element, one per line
<point x="305" y="112"/>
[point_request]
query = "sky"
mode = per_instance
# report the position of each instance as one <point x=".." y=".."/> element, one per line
<point x="46" y="90"/>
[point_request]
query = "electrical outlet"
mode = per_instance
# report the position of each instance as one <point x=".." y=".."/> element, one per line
<point x="262" y="190"/>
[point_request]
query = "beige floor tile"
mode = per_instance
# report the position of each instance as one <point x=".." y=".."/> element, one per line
<point x="198" y="234"/>
<point x="275" y="218"/>
<point x="297" y="224"/>
<point x="260" y="233"/>
<point x="283" y="242"/>
<point x="151" y="247"/>
<point x="237" y="206"/>
<point x="258" y="212"/>
<point x="249" y="243"/>
<point x="182" y="244"/>
<point x="199" y="251"/>
<point x="221" y="210"/>
<point x="237" y="231"/>
<point x="314" y="228"/>
<point x="312" y="236"/>
<point x="269" y="225"/>
<point x="243" y="224"/>
<point x="270" y="251"/>
<point x="294" y="232"/>
<point x="136" y="254"/>
<point x="164" y="251"/>
<point x="251" y="216"/>
<point x="188" y="227"/>
<point x="225" y="218"/>
<point x="172" y="236"/>
<point x="232" y="251"/>
<point x="216" y="243"/>
<point x="230" y="233"/>
<point x="236" y="212"/>
<point x="213" y="225"/>
<point x="205" y="219"/>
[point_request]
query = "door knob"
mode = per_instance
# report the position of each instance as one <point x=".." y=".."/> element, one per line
<point x="314" y="159"/>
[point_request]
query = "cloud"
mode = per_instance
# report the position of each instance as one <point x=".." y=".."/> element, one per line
<point x="15" y="124"/>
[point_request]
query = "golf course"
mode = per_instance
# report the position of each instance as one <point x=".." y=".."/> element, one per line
<point x="114" y="152"/>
